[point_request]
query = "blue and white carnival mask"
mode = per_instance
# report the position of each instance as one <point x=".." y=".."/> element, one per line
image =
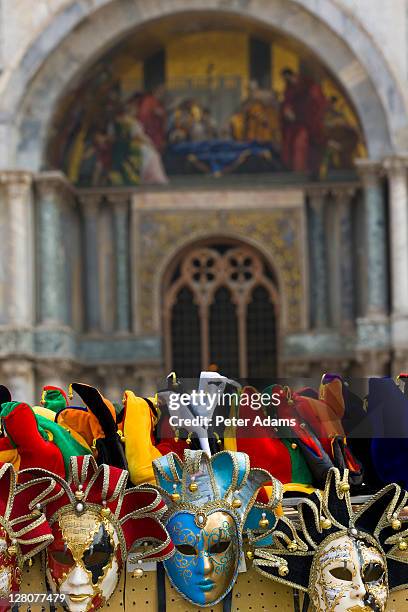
<point x="209" y="502"/>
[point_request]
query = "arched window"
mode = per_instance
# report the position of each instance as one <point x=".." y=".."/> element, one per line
<point x="220" y="306"/>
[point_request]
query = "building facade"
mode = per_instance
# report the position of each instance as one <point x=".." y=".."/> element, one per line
<point x="186" y="182"/>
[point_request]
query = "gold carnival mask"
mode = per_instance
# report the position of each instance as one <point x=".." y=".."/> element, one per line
<point x="84" y="561"/>
<point x="348" y="574"/>
<point x="95" y="521"/>
<point x="346" y="560"/>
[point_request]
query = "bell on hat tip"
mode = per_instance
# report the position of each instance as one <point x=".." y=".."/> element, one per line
<point x="396" y="524"/>
<point x="193" y="486"/>
<point x="402" y="545"/>
<point x="326" y="523"/>
<point x="175" y="496"/>
<point x="263" y="523"/>
<point x="283" y="570"/>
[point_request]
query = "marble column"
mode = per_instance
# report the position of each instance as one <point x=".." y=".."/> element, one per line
<point x="18" y="376"/>
<point x="58" y="373"/>
<point x="17" y="268"/>
<point x="110" y="382"/>
<point x="53" y="191"/>
<point x="318" y="281"/>
<point x="396" y="169"/>
<point x="375" y="239"/>
<point x="90" y="208"/>
<point x="346" y="291"/>
<point x="120" y="206"/>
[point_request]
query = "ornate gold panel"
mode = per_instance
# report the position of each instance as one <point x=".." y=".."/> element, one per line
<point x="277" y="233"/>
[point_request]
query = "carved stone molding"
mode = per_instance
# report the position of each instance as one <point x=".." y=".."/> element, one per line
<point x="396" y="165"/>
<point x="369" y="171"/>
<point x="15" y="177"/>
<point x="54" y="184"/>
<point x="90" y="204"/>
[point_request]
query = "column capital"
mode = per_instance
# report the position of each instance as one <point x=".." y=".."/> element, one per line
<point x="54" y="183"/>
<point x="16" y="182"/>
<point x="16" y="367"/>
<point x="369" y="170"/>
<point x="396" y="165"/>
<point x="317" y="192"/>
<point x="343" y="195"/>
<point x="90" y="203"/>
<point x="16" y="176"/>
<point x="120" y="201"/>
<point x="55" y="371"/>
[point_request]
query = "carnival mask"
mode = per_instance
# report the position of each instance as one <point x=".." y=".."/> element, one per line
<point x="84" y="561"/>
<point x="205" y="564"/>
<point x="349" y="574"/>
<point x="211" y="503"/>
<point x="95" y="522"/>
<point x="346" y="560"/>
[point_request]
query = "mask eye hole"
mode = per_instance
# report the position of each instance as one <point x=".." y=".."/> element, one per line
<point x="373" y="572"/>
<point x="97" y="558"/>
<point x="186" y="549"/>
<point x="219" y="548"/>
<point x="342" y="573"/>
<point x="62" y="557"/>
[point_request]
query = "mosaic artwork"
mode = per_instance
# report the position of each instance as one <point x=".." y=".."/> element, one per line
<point x="203" y="114"/>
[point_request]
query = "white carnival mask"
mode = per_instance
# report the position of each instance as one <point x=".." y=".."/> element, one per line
<point x="348" y="574"/>
<point x="346" y="560"/>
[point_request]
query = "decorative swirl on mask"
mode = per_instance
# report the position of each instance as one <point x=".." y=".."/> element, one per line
<point x="204" y="544"/>
<point x="181" y="535"/>
<point x="222" y="534"/>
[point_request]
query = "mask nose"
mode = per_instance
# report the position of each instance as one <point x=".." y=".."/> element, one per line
<point x="208" y="565"/>
<point x="358" y="589"/>
<point x="78" y="577"/>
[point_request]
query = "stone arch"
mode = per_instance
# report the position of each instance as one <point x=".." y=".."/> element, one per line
<point x="78" y="35"/>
